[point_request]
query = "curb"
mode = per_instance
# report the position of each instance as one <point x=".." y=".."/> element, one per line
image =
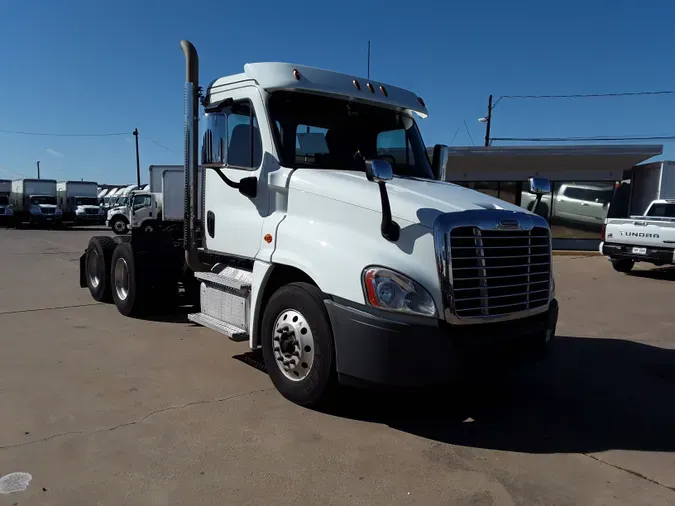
<point x="572" y="253"/>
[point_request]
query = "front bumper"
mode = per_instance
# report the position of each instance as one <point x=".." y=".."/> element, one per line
<point x="90" y="218"/>
<point x="45" y="219"/>
<point x="624" y="251"/>
<point x="398" y="351"/>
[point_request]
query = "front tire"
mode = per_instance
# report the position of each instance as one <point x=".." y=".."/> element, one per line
<point x="97" y="267"/>
<point x="298" y="346"/>
<point x="126" y="281"/>
<point x="119" y="225"/>
<point x="624" y="265"/>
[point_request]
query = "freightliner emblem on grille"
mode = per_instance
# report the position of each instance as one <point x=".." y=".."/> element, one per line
<point x="508" y="224"/>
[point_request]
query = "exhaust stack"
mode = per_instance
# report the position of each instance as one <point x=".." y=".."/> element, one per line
<point x="191" y="225"/>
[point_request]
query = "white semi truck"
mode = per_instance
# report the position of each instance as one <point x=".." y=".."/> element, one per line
<point x="78" y="200"/>
<point x="6" y="212"/>
<point x="342" y="262"/>
<point x="34" y="201"/>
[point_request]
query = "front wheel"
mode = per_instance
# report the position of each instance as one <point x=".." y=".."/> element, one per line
<point x="624" y="265"/>
<point x="119" y="225"/>
<point x="297" y="343"/>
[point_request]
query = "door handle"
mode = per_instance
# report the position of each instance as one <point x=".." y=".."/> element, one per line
<point x="585" y="204"/>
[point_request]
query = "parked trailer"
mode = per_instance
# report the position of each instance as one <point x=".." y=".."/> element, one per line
<point x="341" y="266"/>
<point x="34" y="201"/>
<point x="6" y="212"/>
<point x="78" y="200"/>
<point x="651" y="181"/>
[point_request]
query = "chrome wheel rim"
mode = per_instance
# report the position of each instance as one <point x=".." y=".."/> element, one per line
<point x="92" y="268"/>
<point x="121" y="279"/>
<point x="293" y="345"/>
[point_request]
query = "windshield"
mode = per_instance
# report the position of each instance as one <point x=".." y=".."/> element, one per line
<point x="121" y="201"/>
<point x="42" y="199"/>
<point x="86" y="201"/>
<point x="662" y="210"/>
<point x="329" y="133"/>
<point x="4" y="200"/>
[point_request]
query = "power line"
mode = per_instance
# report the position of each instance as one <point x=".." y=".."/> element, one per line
<point x="17" y="132"/>
<point x="595" y="95"/>
<point x="467" y="131"/>
<point x="594" y="138"/>
<point x="160" y="145"/>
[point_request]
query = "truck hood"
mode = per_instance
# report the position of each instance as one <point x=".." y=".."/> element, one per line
<point x="413" y="200"/>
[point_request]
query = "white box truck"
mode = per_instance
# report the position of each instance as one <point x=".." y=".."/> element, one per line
<point x="6" y="212"/>
<point x="342" y="263"/>
<point x="78" y="200"/>
<point x="34" y="201"/>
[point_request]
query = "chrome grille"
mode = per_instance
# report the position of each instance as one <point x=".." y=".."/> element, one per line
<point x="48" y="210"/>
<point x="498" y="272"/>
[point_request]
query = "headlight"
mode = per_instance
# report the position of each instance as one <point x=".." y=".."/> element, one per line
<point x="392" y="291"/>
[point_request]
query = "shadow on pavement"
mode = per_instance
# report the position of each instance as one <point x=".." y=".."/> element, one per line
<point x="593" y="395"/>
<point x="664" y="273"/>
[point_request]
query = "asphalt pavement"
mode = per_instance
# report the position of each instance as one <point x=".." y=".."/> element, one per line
<point x="103" y="409"/>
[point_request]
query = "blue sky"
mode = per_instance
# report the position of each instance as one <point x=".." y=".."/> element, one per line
<point x="74" y="66"/>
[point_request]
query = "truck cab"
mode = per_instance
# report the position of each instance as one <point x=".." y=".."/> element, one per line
<point x="6" y="212"/>
<point x="324" y="235"/>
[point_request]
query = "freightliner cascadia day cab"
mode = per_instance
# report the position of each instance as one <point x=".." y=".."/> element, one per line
<point x="325" y="236"/>
<point x="34" y="201"/>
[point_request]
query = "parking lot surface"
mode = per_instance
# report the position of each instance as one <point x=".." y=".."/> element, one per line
<point x="102" y="409"/>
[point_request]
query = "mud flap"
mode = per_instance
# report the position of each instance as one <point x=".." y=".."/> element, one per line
<point x="83" y="275"/>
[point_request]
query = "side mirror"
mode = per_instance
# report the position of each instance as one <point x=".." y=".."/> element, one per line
<point x="539" y="186"/>
<point x="214" y="143"/>
<point x="379" y="171"/>
<point x="439" y="161"/>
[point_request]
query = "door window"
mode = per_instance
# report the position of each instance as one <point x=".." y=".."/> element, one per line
<point x="141" y="201"/>
<point x="244" y="144"/>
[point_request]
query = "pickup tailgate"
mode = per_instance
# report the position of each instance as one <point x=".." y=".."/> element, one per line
<point x="641" y="231"/>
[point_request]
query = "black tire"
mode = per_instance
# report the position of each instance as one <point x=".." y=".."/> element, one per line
<point x="119" y="225"/>
<point x="126" y="281"/>
<point x="97" y="267"/>
<point x="320" y="383"/>
<point x="624" y="265"/>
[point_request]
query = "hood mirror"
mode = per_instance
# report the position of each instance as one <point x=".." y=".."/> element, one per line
<point x="379" y="171"/>
<point x="539" y="185"/>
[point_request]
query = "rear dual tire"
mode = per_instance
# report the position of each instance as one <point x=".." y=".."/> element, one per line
<point x="97" y="273"/>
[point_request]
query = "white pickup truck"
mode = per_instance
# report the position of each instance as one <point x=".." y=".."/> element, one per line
<point x="649" y="238"/>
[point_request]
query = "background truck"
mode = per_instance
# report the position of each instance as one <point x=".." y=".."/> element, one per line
<point x="117" y="216"/>
<point x="34" y="201"/>
<point x="649" y="238"/>
<point x="6" y="212"/>
<point x="78" y="201"/>
<point x="342" y="263"/>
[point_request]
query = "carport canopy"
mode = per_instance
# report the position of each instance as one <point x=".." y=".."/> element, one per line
<point x="557" y="163"/>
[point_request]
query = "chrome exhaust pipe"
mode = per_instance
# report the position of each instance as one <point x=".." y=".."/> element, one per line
<point x="191" y="226"/>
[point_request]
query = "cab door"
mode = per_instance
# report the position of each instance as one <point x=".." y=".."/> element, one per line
<point x="142" y="209"/>
<point x="237" y="135"/>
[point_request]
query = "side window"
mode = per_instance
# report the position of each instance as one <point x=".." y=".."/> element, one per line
<point x="244" y="144"/>
<point x="309" y="142"/>
<point x="141" y="201"/>
<point x="394" y="143"/>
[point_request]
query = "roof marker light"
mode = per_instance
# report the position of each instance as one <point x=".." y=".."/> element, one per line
<point x="356" y="84"/>
<point x="296" y="74"/>
<point x="370" y="87"/>
<point x="384" y="91"/>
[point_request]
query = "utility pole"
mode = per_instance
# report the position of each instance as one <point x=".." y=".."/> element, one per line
<point x="488" y="121"/>
<point x="138" y="162"/>
<point x="38" y="168"/>
<point x="368" y="59"/>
